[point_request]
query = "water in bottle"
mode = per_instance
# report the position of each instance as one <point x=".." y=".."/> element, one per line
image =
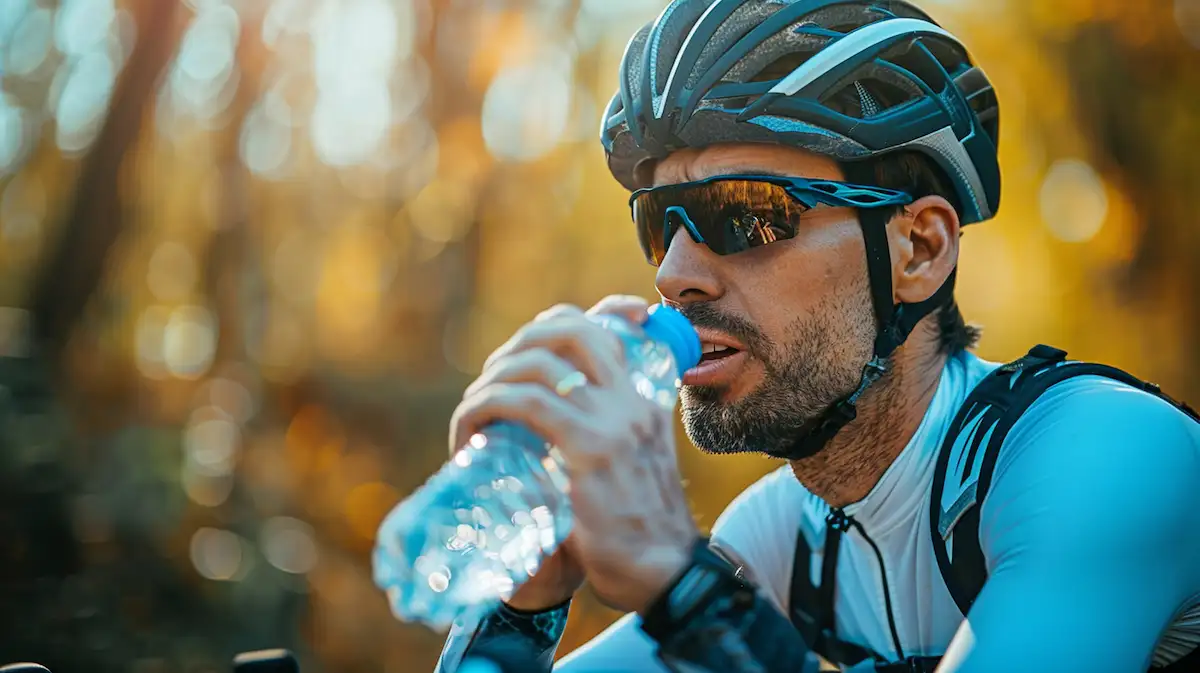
<point x="486" y="520"/>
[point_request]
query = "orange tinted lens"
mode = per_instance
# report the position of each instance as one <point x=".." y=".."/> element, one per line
<point x="651" y="224"/>
<point x="729" y="216"/>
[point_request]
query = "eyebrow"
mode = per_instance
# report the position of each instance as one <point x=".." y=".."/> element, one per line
<point x="768" y="171"/>
<point x="763" y="171"/>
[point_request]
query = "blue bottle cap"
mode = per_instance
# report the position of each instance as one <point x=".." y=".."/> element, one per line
<point x="668" y="326"/>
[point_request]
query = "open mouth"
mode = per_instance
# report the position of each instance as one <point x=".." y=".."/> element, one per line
<point x="710" y="352"/>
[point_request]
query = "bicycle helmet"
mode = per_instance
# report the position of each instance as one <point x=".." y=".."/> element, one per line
<point x="780" y="71"/>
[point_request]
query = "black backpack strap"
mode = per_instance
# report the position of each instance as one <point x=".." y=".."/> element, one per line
<point x="811" y="607"/>
<point x="969" y="452"/>
<point x="958" y="478"/>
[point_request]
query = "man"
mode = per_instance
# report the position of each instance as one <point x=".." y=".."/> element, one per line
<point x="803" y="170"/>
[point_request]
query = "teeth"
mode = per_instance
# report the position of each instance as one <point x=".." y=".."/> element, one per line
<point x="714" y="348"/>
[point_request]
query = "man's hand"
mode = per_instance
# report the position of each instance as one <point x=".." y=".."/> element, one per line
<point x="633" y="531"/>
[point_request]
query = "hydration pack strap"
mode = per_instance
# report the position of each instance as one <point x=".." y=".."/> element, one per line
<point x="812" y="612"/>
<point x="811" y="607"/>
<point x="969" y="452"/>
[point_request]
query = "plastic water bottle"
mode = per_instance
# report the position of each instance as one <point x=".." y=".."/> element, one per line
<point x="483" y="524"/>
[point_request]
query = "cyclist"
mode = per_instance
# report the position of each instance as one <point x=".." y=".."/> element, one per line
<point x="801" y="172"/>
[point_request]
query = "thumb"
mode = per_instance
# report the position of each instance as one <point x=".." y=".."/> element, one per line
<point x="631" y="308"/>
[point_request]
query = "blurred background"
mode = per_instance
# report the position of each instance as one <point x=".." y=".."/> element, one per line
<point x="252" y="251"/>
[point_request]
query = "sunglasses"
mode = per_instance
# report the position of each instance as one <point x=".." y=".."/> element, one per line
<point x="734" y="213"/>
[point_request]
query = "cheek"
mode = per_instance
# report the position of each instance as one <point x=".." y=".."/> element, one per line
<point x="833" y="262"/>
<point x="819" y="266"/>
<point x="789" y="282"/>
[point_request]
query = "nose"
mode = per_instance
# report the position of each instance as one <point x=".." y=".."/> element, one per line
<point x="689" y="271"/>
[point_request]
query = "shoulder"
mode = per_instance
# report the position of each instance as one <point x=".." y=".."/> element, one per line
<point x="1115" y="466"/>
<point x="759" y="528"/>
<point x="774" y="504"/>
<point x="1096" y="424"/>
<point x="1088" y="530"/>
<point x="763" y="496"/>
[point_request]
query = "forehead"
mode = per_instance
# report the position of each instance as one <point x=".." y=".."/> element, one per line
<point x="692" y="164"/>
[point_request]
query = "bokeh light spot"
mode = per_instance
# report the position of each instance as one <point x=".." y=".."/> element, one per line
<point x="83" y="25"/>
<point x="285" y="17"/>
<point x="206" y="490"/>
<point x="84" y="99"/>
<point x="216" y="554"/>
<point x="232" y="398"/>
<point x="266" y="140"/>
<point x="212" y="441"/>
<point x="358" y="39"/>
<point x="1187" y="17"/>
<point x="209" y="46"/>
<point x="11" y="13"/>
<point x="30" y="42"/>
<point x="151" y="326"/>
<point x="350" y="120"/>
<point x="189" y="341"/>
<point x="12" y="133"/>
<point x="527" y="107"/>
<point x="356" y="45"/>
<point x="204" y="73"/>
<point x="1073" y="201"/>
<point x="289" y="544"/>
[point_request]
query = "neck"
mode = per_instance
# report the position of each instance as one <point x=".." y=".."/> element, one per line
<point x="889" y="414"/>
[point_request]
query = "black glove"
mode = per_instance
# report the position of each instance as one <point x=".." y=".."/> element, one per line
<point x="711" y="619"/>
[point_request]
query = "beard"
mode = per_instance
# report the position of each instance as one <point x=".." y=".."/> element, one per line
<point x="820" y="363"/>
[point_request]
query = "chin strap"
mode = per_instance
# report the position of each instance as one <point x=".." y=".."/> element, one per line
<point x="896" y="322"/>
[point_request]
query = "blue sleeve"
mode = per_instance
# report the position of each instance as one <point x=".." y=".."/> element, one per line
<point x="1091" y="532"/>
<point x="621" y="647"/>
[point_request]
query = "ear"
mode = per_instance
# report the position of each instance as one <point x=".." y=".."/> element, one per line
<point x="924" y="247"/>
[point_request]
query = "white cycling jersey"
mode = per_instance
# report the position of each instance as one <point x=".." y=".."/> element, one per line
<point x="1090" y="531"/>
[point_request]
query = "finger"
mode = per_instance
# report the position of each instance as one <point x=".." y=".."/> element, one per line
<point x="631" y="308"/>
<point x="558" y="311"/>
<point x="537" y="365"/>
<point x="629" y="463"/>
<point x="547" y="415"/>
<point x="592" y="349"/>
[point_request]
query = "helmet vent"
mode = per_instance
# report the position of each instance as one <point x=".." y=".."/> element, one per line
<point x="867" y="103"/>
<point x="865" y="96"/>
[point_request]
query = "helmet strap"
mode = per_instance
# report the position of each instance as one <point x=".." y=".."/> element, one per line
<point x="896" y="322"/>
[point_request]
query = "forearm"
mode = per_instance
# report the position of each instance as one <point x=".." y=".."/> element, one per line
<point x="705" y="621"/>
<point x="535" y="634"/>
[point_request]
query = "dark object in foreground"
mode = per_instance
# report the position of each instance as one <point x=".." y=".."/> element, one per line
<point x="266" y="661"/>
<point x="24" y="667"/>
